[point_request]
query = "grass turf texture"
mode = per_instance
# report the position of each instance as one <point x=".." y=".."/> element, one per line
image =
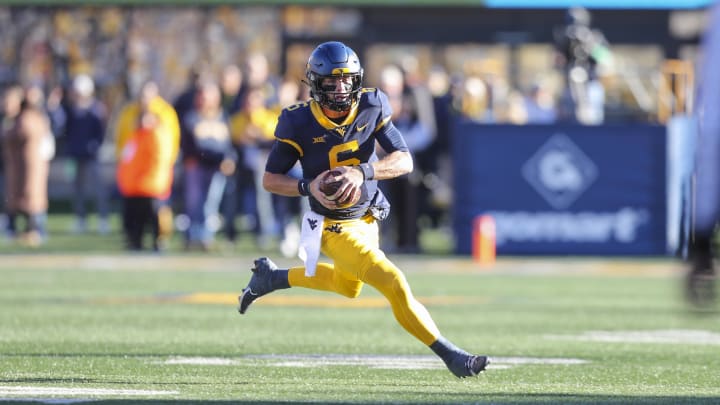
<point x="114" y="322"/>
<point x="62" y="240"/>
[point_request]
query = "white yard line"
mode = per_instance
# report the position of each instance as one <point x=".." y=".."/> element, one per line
<point x="664" y="336"/>
<point x="363" y="360"/>
<point x="199" y="361"/>
<point x="40" y="391"/>
<point x="54" y="401"/>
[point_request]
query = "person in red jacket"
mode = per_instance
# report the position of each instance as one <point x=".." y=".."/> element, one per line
<point x="145" y="177"/>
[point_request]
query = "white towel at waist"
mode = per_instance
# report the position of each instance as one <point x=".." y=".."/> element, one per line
<point x="310" y="236"/>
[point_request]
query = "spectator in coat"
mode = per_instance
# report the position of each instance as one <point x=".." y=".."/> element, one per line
<point x="25" y="129"/>
<point x="145" y="176"/>
<point x="86" y="121"/>
<point x="128" y="121"/>
<point x="208" y="160"/>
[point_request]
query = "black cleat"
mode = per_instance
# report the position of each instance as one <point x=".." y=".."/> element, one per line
<point x="259" y="285"/>
<point x="477" y="364"/>
<point x="468" y="365"/>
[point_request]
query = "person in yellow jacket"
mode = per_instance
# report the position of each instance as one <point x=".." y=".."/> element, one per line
<point x="253" y="133"/>
<point x="144" y="177"/>
<point x="127" y="124"/>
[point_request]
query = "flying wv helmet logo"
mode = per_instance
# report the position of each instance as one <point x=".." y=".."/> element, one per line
<point x="334" y="228"/>
<point x="560" y="171"/>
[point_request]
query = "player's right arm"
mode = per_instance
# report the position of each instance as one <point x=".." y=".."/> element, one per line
<point x="283" y="184"/>
<point x="283" y="156"/>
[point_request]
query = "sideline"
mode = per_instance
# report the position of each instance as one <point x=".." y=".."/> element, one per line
<point x="565" y="265"/>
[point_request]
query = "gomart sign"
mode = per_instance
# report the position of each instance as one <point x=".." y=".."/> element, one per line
<point x="568" y="190"/>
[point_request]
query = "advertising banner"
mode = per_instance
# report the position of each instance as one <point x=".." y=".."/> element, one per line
<point x="562" y="189"/>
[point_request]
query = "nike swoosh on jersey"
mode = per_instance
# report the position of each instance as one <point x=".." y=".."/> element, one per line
<point x="361" y="127"/>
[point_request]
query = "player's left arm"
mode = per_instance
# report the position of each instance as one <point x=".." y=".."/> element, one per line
<point x="392" y="165"/>
<point x="398" y="160"/>
<point x="396" y="163"/>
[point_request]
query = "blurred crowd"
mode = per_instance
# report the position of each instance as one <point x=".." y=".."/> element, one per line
<point x="190" y="159"/>
<point x="191" y="163"/>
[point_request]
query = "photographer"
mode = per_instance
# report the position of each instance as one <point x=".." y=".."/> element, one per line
<point x="581" y="50"/>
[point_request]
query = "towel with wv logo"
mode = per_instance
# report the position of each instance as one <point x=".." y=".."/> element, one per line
<point x="310" y="236"/>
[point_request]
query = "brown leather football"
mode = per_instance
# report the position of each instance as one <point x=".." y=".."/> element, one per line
<point x="328" y="184"/>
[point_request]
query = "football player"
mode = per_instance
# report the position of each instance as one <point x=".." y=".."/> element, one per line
<point x="337" y="129"/>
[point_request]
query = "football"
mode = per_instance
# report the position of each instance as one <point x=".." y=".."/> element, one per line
<point x="328" y="184"/>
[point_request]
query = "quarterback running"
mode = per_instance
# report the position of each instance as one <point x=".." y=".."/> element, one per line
<point x="337" y="129"/>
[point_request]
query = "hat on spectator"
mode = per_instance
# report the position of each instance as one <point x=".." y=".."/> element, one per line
<point x="83" y="85"/>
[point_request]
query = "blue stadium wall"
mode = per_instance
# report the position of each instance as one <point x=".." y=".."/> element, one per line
<point x="562" y="189"/>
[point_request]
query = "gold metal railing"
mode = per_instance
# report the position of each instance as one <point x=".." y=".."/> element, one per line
<point x="676" y="89"/>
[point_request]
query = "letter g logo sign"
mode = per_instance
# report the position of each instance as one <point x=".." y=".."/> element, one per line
<point x="557" y="171"/>
<point x="560" y="171"/>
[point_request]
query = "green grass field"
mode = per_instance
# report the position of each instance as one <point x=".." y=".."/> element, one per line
<point x="116" y="328"/>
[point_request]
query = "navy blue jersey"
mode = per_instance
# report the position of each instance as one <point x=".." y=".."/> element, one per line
<point x="304" y="133"/>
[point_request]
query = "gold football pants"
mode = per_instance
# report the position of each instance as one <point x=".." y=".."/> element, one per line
<point x="353" y="245"/>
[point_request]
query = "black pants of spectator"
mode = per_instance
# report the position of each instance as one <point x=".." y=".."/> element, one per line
<point x="404" y="214"/>
<point x="236" y="193"/>
<point x="140" y="213"/>
<point x="700" y="280"/>
<point x="33" y="223"/>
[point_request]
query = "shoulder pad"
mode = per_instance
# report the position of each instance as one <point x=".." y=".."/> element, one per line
<point x="293" y="116"/>
<point x="374" y="97"/>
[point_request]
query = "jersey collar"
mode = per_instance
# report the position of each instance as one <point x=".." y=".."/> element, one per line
<point x="326" y="122"/>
